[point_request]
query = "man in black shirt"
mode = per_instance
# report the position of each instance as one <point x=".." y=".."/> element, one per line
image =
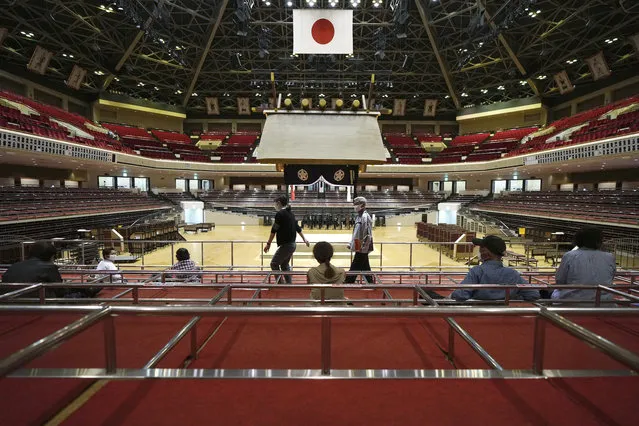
<point x="286" y="228"/>
<point x="39" y="268"/>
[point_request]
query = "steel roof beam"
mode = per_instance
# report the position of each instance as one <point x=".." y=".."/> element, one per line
<point x="209" y="42"/>
<point x="511" y="52"/>
<point x="442" y="65"/>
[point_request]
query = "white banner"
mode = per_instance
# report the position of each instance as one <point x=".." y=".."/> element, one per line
<point x="39" y="60"/>
<point x="430" y="107"/>
<point x="322" y="31"/>
<point x="399" y="107"/>
<point x="243" y="106"/>
<point x="563" y="82"/>
<point x="212" y="106"/>
<point x="598" y="66"/>
<point x="76" y="78"/>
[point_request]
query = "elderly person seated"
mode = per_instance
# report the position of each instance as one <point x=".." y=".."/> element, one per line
<point x="492" y="271"/>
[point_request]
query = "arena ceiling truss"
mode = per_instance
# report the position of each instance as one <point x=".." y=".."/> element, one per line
<point x="461" y="52"/>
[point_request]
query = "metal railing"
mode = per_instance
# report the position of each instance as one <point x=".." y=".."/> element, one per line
<point x="13" y="365"/>
<point x="413" y="255"/>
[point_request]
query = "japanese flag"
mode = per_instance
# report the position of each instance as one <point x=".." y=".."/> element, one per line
<point x="321" y="31"/>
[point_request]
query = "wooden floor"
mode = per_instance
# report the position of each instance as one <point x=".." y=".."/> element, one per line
<point x="212" y="249"/>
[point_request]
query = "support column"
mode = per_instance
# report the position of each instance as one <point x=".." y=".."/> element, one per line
<point x="607" y="97"/>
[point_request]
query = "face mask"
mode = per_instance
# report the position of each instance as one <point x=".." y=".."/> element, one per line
<point x="276" y="207"/>
<point x="356" y="209"/>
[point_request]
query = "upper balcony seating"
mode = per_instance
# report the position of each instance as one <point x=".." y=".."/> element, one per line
<point x="604" y="206"/>
<point x="214" y="136"/>
<point x="203" y="158"/>
<point x="427" y="137"/>
<point x="242" y="139"/>
<point x="168" y="137"/>
<point x="548" y="140"/>
<point x="399" y="140"/>
<point x="512" y="135"/>
<point x="128" y="131"/>
<point x="447" y="159"/>
<point x="474" y="139"/>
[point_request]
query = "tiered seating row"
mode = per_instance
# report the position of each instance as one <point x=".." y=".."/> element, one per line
<point x="605" y="206"/>
<point x="19" y="203"/>
<point x="376" y="199"/>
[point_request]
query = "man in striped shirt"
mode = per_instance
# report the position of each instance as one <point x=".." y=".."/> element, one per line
<point x="361" y="241"/>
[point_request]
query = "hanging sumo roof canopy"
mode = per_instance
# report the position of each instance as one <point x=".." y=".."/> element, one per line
<point x="328" y="137"/>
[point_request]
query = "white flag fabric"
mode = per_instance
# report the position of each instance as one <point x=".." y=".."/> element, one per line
<point x="322" y="31"/>
<point x="598" y="66"/>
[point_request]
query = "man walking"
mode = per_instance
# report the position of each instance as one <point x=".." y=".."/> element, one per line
<point x="285" y="227"/>
<point x="361" y="241"/>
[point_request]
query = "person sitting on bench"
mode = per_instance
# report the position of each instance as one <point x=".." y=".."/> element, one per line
<point x="492" y="271"/>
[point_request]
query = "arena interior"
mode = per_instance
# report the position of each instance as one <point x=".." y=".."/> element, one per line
<point x="146" y="127"/>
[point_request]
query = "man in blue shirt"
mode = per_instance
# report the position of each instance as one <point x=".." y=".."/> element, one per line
<point x="492" y="271"/>
<point x="585" y="265"/>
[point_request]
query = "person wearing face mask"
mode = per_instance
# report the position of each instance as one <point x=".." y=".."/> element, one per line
<point x="492" y="271"/>
<point x="106" y="264"/>
<point x="361" y="241"/>
<point x="285" y="227"/>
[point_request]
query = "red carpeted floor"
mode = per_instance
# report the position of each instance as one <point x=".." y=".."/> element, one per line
<point x="580" y="402"/>
<point x="261" y="342"/>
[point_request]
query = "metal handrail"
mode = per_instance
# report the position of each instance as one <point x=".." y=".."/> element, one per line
<point x="96" y="314"/>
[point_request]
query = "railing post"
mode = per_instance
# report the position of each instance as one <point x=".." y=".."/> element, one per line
<point x="598" y="296"/>
<point x="539" y="344"/>
<point x="381" y="256"/>
<point x="410" y="256"/>
<point x="440" y="264"/>
<point x="415" y="297"/>
<point x="322" y="295"/>
<point x="194" y="342"/>
<point x="507" y="298"/>
<point x="42" y="295"/>
<point x="262" y="256"/>
<point x="451" y="343"/>
<point x="202" y="254"/>
<point x="326" y="346"/>
<point x="22" y="254"/>
<point x="172" y="253"/>
<point x="232" y="257"/>
<point x="229" y="296"/>
<point x="136" y="296"/>
<point x="109" y="344"/>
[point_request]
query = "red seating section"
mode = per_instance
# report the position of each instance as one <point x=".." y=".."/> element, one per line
<point x="474" y="139"/>
<point x="427" y="137"/>
<point x="600" y="128"/>
<point x="128" y="131"/>
<point x="238" y="147"/>
<point x="171" y="137"/>
<point x="405" y="149"/>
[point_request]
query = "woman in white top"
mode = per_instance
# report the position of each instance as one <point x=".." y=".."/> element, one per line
<point x="106" y="264"/>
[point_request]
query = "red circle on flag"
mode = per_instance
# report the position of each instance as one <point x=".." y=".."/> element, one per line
<point x="323" y="31"/>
